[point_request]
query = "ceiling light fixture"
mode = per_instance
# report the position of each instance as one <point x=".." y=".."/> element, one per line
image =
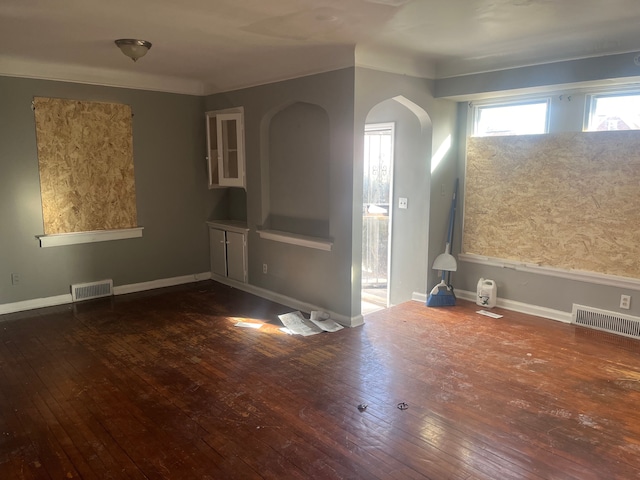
<point x="132" y="48"/>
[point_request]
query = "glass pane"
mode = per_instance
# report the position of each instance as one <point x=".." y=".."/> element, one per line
<point x="377" y="168"/>
<point x="229" y="133"/>
<point x="614" y="112"/>
<point x="230" y="164"/>
<point x="378" y="153"/>
<point x="521" y="119"/>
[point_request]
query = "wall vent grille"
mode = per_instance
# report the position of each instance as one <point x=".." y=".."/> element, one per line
<point x="86" y="291"/>
<point x="606" y="321"/>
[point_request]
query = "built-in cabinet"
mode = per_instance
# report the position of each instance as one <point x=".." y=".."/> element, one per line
<point x="228" y="249"/>
<point x="225" y="148"/>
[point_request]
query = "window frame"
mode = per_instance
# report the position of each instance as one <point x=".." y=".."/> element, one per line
<point x="477" y="107"/>
<point x="592" y="98"/>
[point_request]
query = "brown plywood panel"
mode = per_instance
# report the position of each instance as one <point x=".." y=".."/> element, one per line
<point x="569" y="200"/>
<point x="85" y="156"/>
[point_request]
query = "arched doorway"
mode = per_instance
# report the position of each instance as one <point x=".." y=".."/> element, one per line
<point x="395" y="203"/>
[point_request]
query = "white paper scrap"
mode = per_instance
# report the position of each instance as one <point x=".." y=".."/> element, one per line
<point x="489" y="314"/>
<point x="299" y="325"/>
<point x="248" y="325"/>
<point x="327" y="325"/>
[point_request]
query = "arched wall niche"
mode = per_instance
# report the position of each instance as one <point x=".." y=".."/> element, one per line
<point x="295" y="170"/>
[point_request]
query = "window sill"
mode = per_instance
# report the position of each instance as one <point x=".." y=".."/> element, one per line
<point x="579" y="275"/>
<point x="75" y="238"/>
<point x="318" y="243"/>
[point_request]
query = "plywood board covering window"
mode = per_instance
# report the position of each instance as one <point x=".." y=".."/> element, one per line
<point x="85" y="156"/>
<point x="569" y="201"/>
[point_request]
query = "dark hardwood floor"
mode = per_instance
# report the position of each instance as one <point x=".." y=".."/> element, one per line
<point x="162" y="385"/>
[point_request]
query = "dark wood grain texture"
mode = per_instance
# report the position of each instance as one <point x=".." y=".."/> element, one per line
<point x="162" y="385"/>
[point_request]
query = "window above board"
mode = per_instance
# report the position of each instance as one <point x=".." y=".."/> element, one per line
<point x="612" y="111"/>
<point x="514" y="118"/>
<point x="595" y="109"/>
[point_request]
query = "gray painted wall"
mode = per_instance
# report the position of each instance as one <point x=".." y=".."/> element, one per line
<point x="612" y="69"/>
<point x="308" y="275"/>
<point x="420" y="231"/>
<point x="173" y="199"/>
<point x="526" y="287"/>
<point x="332" y="279"/>
<point x="171" y="191"/>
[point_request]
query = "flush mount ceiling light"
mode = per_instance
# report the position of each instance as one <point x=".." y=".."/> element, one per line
<point x="132" y="48"/>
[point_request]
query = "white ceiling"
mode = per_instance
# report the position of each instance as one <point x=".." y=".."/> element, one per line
<point x="206" y="46"/>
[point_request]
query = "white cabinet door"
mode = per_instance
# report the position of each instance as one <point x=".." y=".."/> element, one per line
<point x="212" y="150"/>
<point x="218" y="247"/>
<point x="225" y="148"/>
<point x="236" y="257"/>
<point x="228" y="250"/>
<point x="230" y="131"/>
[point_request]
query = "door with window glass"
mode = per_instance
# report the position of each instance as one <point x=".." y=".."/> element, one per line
<point x="376" y="211"/>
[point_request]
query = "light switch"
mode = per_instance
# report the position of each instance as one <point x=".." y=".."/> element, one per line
<point x="402" y="202"/>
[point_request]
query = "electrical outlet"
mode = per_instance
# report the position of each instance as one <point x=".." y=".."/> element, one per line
<point x="15" y="279"/>
<point x="264" y="268"/>
<point x="402" y="202"/>
<point x="625" y="301"/>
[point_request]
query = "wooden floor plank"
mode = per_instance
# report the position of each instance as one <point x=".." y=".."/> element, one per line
<point x="141" y="410"/>
<point x="49" y="446"/>
<point x="73" y="391"/>
<point x="18" y="458"/>
<point x="232" y="413"/>
<point x="162" y="384"/>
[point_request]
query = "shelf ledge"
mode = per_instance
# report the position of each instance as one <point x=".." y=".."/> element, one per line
<point x="238" y="226"/>
<point x="318" y="243"/>
<point x="74" y="238"/>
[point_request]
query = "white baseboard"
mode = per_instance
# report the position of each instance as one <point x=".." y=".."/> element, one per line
<point x="419" y="297"/>
<point x="161" y="283"/>
<point x="120" y="290"/>
<point x="512" y="305"/>
<point x="35" y="303"/>
<point x="355" y="321"/>
<point x="170" y="282"/>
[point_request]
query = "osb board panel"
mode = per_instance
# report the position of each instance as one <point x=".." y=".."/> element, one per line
<point x="568" y="200"/>
<point x="85" y="155"/>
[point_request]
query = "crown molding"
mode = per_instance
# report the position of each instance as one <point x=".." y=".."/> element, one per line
<point x="42" y="70"/>
<point x="376" y="58"/>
